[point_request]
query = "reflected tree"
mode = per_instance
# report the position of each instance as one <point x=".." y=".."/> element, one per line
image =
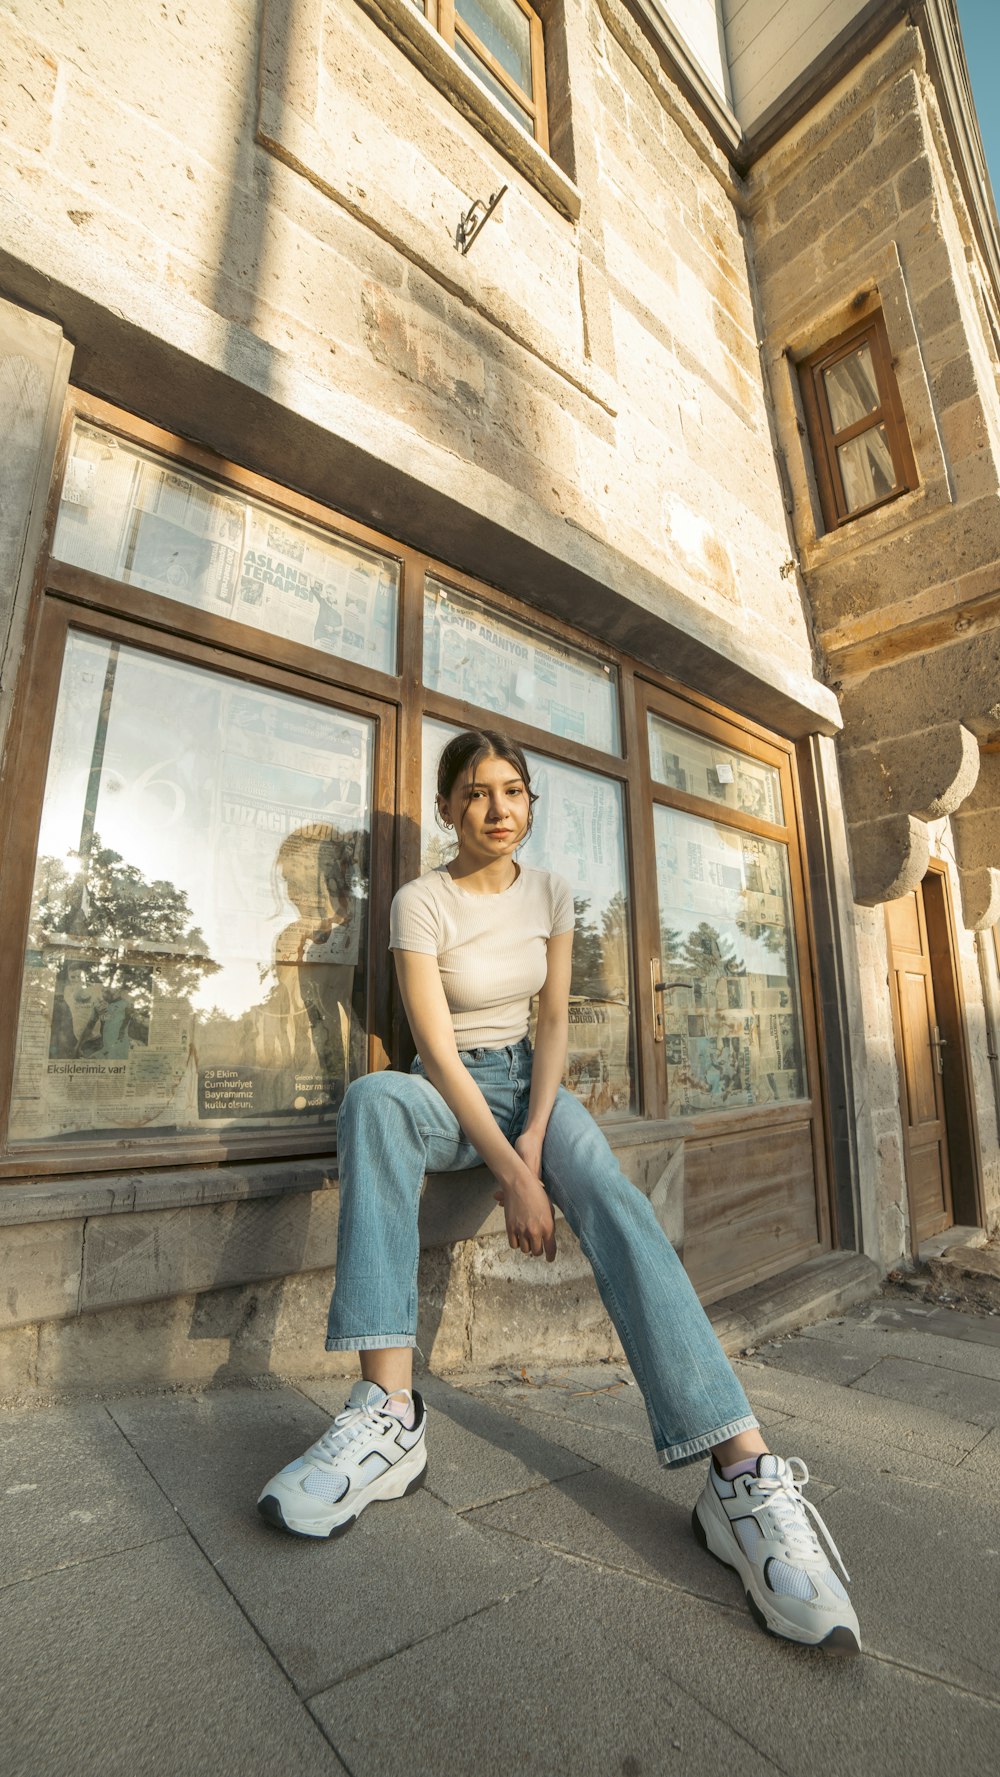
<point x="121" y="918"/>
<point x="705" y="951"/>
<point x="588" y="952"/>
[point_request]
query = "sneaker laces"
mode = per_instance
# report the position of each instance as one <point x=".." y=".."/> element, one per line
<point x="346" y="1428"/>
<point x="784" y="1497"/>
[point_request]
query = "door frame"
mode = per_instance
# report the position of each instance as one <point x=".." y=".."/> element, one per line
<point x="958" y="1104"/>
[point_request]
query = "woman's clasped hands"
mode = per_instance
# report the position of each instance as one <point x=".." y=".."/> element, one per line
<point x="527" y="1207"/>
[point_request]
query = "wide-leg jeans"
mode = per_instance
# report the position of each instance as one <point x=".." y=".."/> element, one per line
<point x="395" y="1127"/>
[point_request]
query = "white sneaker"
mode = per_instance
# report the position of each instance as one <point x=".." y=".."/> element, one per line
<point x="365" y="1454"/>
<point x="759" y="1524"/>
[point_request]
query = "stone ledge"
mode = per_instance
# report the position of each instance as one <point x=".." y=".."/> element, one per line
<point x="202" y="1231"/>
<point x="811" y="1292"/>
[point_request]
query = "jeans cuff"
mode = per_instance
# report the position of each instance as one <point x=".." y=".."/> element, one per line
<point x="693" y="1449"/>
<point x="371" y="1342"/>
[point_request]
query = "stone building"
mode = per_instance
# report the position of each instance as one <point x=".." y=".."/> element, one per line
<point x="619" y="372"/>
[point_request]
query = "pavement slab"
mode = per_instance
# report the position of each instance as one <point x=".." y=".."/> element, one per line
<point x="985" y="1460"/>
<point x="542" y="1685"/>
<point x="974" y="1399"/>
<point x="902" y="1426"/>
<point x="72" y="1490"/>
<point x="141" y="1662"/>
<point x="324" y="1607"/>
<point x="812" y="1715"/>
<point x="960" y="1342"/>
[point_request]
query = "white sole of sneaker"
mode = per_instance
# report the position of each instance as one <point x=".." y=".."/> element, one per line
<point x="405" y="1476"/>
<point x="709" y="1535"/>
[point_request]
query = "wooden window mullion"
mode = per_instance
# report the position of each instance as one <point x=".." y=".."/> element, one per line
<point x="489" y="61"/>
<point x="538" y="82"/>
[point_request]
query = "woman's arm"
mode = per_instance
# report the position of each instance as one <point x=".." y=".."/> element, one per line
<point x="530" y="1222"/>
<point x="551" y="1043"/>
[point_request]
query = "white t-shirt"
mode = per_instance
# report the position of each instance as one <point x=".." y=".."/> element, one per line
<point x="492" y="950"/>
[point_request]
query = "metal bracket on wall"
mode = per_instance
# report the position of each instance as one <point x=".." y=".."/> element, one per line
<point x="471" y="225"/>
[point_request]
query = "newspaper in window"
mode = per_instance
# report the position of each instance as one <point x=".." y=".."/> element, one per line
<point x="139" y="519"/>
<point x="508" y="669"/>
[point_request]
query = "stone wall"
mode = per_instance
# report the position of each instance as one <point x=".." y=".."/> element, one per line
<point x="858" y="208"/>
<point x="185" y="1277"/>
<point x="586" y="379"/>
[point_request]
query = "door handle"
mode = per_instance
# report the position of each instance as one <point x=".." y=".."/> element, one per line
<point x="656" y="988"/>
<point x="938" y="1042"/>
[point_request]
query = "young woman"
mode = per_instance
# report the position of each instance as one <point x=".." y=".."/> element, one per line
<point x="474" y="941"/>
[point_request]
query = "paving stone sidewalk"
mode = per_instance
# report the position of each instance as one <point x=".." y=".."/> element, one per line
<point x="540" y="1607"/>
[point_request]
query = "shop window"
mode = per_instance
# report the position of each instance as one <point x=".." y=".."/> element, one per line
<point x="515" y="672"/>
<point x="731" y="1012"/>
<point x="198" y="926"/>
<point x="579" y="831"/>
<point x="501" y="43"/>
<point x="857" y="429"/>
<point x="134" y="517"/>
<point x="207" y="798"/>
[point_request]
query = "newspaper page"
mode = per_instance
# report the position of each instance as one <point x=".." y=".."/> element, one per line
<point x="504" y="666"/>
<point x="136" y="518"/>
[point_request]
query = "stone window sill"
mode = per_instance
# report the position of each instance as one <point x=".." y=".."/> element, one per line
<point x="870" y="530"/>
<point x="418" y="40"/>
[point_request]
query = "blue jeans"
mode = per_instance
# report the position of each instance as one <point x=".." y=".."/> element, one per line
<point x="394" y="1127"/>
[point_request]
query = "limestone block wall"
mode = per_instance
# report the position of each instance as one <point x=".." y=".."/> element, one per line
<point x="283" y="209"/>
<point x="859" y="208"/>
<point x="886" y="1180"/>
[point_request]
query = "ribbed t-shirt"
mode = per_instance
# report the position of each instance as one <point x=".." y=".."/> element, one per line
<point x="492" y="950"/>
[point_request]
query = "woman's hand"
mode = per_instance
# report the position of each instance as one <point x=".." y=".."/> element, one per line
<point x="527" y="1208"/>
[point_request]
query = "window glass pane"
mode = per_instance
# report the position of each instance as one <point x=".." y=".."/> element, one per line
<point x="731" y="1011"/>
<point x="703" y="767"/>
<point x="866" y="469"/>
<point x="503" y="29"/>
<point x="578" y="830"/>
<point x="196" y="957"/>
<point x="510" y="670"/>
<point x="851" y="389"/>
<point x="139" y="519"/>
<point x="479" y="68"/>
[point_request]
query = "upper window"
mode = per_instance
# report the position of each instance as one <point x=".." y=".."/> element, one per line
<point x="860" y="444"/>
<point x="501" y="42"/>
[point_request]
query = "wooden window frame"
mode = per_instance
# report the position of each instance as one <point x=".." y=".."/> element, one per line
<point x="445" y="19"/>
<point x="66" y="597"/>
<point x="825" y="440"/>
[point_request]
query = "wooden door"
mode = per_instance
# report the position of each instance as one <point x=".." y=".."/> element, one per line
<point x="919" y="1058"/>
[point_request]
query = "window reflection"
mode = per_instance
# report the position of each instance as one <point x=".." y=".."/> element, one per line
<point x="731" y="1011"/>
<point x="698" y="766"/>
<point x="579" y="831"/>
<point x="510" y="669"/>
<point x="197" y="943"/>
<point x="140" y="519"/>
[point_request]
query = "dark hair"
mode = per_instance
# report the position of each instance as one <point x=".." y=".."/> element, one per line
<point x="466" y="752"/>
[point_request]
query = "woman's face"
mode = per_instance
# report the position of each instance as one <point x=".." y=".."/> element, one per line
<point x="489" y="810"/>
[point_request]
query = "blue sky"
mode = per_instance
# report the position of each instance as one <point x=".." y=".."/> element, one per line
<point x="980" y="22"/>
